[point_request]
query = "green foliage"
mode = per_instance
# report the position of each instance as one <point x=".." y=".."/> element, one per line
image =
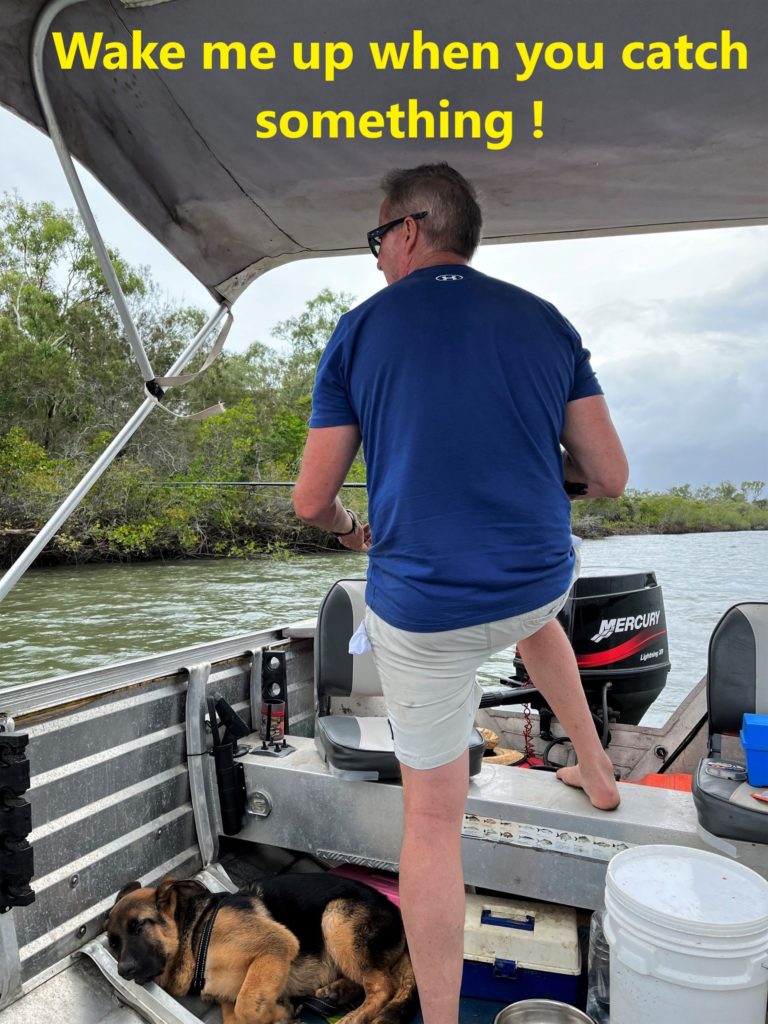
<point x="680" y="510"/>
<point x="229" y="446"/>
<point x="30" y="483"/>
<point x="66" y="371"/>
<point x="306" y="336"/>
<point x="56" y="323"/>
<point x="20" y="456"/>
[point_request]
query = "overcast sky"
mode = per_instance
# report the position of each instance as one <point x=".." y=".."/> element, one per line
<point x="677" y="323"/>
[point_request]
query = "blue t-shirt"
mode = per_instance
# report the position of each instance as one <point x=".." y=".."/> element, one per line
<point x="458" y="383"/>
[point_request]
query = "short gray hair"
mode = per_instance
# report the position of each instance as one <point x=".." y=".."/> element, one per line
<point x="454" y="222"/>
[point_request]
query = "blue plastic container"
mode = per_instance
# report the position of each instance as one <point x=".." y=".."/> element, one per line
<point x="754" y="739"/>
<point x="507" y="981"/>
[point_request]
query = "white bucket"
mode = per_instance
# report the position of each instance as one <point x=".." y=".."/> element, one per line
<point x="688" y="933"/>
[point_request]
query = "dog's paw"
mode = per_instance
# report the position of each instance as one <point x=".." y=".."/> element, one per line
<point x="340" y="993"/>
<point x="278" y="1016"/>
<point x="273" y="1013"/>
<point x="328" y="995"/>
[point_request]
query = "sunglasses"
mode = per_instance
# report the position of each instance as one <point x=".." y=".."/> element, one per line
<point x="375" y="236"/>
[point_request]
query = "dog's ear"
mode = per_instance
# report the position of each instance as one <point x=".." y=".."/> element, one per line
<point x="170" y="890"/>
<point x="130" y="887"/>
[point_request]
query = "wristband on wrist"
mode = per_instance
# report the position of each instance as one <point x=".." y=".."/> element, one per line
<point x="351" y="530"/>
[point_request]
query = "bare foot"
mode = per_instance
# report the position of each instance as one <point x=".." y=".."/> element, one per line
<point x="599" y="784"/>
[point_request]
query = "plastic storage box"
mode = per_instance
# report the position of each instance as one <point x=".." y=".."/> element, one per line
<point x="520" y="949"/>
<point x="754" y="739"/>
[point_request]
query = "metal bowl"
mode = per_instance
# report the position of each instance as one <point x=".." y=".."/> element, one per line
<point x="541" y="1011"/>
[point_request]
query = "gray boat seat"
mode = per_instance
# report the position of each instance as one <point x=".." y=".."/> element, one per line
<point x="355" y="746"/>
<point x="737" y="682"/>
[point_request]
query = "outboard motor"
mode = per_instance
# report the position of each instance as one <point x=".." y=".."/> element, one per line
<point x="618" y="630"/>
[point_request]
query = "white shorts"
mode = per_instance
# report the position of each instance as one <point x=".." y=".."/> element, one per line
<point x="429" y="680"/>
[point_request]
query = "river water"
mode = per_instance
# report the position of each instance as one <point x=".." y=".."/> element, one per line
<point x="67" y="619"/>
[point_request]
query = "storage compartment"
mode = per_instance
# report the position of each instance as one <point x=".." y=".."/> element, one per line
<point x="519" y="949"/>
<point x="754" y="739"/>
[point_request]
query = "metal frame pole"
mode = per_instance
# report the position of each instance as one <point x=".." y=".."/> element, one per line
<point x="43" y="24"/>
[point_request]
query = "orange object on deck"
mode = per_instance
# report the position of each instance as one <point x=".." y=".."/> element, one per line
<point x="673" y="780"/>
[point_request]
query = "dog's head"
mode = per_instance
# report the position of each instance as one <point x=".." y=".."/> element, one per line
<point x="143" y="926"/>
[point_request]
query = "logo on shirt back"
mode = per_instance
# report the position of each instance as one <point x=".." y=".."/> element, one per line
<point x="449" y="277"/>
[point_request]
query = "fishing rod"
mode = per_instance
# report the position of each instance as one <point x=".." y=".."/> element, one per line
<point x="571" y="488"/>
<point x="232" y="483"/>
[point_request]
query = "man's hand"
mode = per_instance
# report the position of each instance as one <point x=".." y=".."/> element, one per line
<point x="360" y="540"/>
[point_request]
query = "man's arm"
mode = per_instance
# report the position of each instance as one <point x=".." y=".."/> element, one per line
<point x="593" y="452"/>
<point x="328" y="454"/>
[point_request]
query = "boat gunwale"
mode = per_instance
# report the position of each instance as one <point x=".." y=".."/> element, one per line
<point x="46" y="694"/>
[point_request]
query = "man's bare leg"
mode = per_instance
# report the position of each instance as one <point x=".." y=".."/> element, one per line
<point x="551" y="664"/>
<point x="432" y="884"/>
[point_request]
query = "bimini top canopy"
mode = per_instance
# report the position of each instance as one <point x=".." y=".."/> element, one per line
<point x="665" y="128"/>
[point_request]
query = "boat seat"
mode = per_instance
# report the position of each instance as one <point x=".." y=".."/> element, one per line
<point x="737" y="682"/>
<point x="355" y="746"/>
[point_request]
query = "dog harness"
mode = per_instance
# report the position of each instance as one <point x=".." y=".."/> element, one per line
<point x="198" y="978"/>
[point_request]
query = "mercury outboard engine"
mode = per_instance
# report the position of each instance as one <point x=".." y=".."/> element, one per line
<point x="618" y="631"/>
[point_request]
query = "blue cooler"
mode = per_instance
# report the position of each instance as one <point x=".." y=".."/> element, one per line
<point x="520" y="949"/>
<point x="754" y="739"/>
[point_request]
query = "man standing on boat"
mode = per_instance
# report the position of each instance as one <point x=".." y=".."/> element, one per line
<point x="462" y="389"/>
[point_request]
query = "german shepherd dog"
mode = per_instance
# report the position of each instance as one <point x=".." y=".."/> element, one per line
<point x="291" y="936"/>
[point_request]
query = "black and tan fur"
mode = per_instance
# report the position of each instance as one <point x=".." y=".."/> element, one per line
<point x="291" y="936"/>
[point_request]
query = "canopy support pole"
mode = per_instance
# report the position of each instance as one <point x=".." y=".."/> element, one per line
<point x="39" y="36"/>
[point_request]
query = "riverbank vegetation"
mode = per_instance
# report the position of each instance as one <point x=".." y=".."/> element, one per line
<point x="68" y="383"/>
